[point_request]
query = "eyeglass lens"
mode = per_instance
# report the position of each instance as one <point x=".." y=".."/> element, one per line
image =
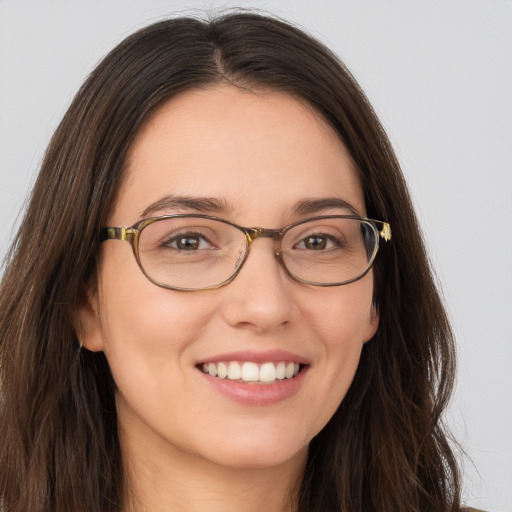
<point x="194" y="253"/>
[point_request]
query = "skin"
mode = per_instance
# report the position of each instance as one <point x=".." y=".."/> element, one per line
<point x="187" y="446"/>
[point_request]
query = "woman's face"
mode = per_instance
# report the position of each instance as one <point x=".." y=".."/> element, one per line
<point x="257" y="156"/>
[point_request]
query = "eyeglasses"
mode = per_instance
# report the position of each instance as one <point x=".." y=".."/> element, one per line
<point x="201" y="252"/>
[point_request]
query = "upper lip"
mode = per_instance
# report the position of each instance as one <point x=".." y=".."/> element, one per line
<point x="260" y="357"/>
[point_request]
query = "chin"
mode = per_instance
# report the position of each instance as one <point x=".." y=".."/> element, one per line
<point x="258" y="451"/>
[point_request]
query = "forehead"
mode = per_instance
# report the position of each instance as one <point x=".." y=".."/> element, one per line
<point x="259" y="152"/>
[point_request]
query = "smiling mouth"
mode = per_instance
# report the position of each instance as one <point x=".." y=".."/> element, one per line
<point x="251" y="372"/>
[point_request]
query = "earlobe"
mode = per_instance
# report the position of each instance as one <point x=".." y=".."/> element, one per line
<point x="373" y="324"/>
<point x="88" y="324"/>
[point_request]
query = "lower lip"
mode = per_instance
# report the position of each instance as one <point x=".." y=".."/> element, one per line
<point x="254" y="393"/>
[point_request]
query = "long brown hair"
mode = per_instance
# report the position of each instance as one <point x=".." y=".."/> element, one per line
<point x="385" y="448"/>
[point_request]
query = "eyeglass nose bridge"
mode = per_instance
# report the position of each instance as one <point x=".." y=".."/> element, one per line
<point x="252" y="234"/>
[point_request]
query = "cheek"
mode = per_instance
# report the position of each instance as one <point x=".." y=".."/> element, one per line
<point x="146" y="329"/>
<point x="344" y="316"/>
<point x="342" y="322"/>
<point x="148" y="338"/>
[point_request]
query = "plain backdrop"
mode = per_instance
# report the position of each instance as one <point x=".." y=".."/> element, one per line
<point x="439" y="73"/>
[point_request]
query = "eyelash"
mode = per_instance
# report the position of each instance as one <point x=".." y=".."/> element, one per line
<point x="167" y="243"/>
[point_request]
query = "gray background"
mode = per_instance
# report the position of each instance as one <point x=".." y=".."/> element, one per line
<point x="439" y="73"/>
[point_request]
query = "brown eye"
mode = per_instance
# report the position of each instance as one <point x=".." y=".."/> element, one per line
<point x="319" y="242"/>
<point x="188" y="242"/>
<point x="314" y="242"/>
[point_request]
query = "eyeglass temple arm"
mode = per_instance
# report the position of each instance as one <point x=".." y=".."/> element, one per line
<point x="117" y="234"/>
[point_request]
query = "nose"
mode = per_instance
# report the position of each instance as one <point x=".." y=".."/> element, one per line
<point x="262" y="297"/>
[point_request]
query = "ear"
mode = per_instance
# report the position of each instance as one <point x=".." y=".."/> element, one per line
<point x="88" y="323"/>
<point x="373" y="324"/>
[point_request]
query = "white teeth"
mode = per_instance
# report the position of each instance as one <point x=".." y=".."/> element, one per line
<point x="212" y="369"/>
<point x="222" y="371"/>
<point x="267" y="372"/>
<point x="234" y="371"/>
<point x="252" y="372"/>
<point x="281" y="370"/>
<point x="290" y="368"/>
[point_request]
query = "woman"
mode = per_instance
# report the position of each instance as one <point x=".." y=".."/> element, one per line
<point x="303" y="366"/>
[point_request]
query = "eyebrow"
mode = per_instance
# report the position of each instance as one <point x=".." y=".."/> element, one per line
<point x="312" y="206"/>
<point x="218" y="206"/>
<point x="186" y="203"/>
